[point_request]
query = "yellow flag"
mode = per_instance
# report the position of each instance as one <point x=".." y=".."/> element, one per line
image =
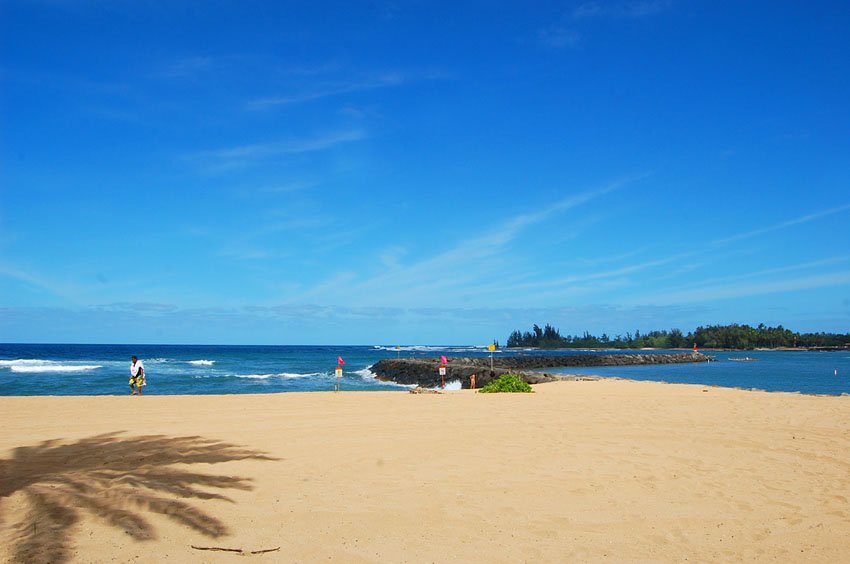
<point x="491" y="347"/>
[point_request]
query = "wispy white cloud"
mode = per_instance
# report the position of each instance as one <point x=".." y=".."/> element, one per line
<point x="37" y="281"/>
<point x="262" y="242"/>
<point x="337" y="283"/>
<point x="333" y="89"/>
<point x="558" y="37"/>
<point x="456" y="274"/>
<point x="287" y="187"/>
<point x="511" y="228"/>
<point x="764" y="281"/>
<point x="391" y="257"/>
<point x="783" y="225"/>
<point x="563" y="284"/>
<point x="773" y="272"/>
<point x="634" y="9"/>
<point x="187" y="67"/>
<point x="228" y="158"/>
<point x="138" y="307"/>
<point x="756" y="288"/>
<point x="113" y="114"/>
<point x="291" y="147"/>
<point x="240" y="251"/>
<point x="565" y="33"/>
<point x="595" y="261"/>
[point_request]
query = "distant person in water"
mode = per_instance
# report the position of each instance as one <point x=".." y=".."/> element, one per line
<point x="137" y="376"/>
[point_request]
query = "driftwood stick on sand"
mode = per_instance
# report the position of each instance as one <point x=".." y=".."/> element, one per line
<point x="218" y="548"/>
<point x="239" y="550"/>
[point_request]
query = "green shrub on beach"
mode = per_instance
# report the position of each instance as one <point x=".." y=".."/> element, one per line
<point x="508" y="383"/>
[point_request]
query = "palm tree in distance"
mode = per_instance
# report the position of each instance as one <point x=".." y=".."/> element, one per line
<point x="116" y="479"/>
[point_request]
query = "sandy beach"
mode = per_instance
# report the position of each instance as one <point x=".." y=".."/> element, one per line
<point x="578" y="471"/>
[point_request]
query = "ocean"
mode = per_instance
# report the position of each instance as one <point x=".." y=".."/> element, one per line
<point x="825" y="373"/>
<point x="55" y="369"/>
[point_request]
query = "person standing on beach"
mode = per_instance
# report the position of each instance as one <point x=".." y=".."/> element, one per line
<point x="137" y="376"/>
<point x="472" y="382"/>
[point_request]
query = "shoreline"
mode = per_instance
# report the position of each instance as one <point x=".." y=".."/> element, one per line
<point x="555" y="378"/>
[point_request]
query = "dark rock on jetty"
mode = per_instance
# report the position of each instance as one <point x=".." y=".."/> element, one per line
<point x="424" y="371"/>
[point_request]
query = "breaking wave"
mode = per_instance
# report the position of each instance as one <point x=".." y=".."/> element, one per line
<point x="281" y="375"/>
<point x="31" y="366"/>
<point x="431" y="348"/>
<point x="367" y="374"/>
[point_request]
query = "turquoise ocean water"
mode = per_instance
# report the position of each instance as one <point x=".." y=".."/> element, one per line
<point x="53" y="369"/>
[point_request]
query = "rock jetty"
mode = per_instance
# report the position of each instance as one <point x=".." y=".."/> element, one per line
<point x="424" y="372"/>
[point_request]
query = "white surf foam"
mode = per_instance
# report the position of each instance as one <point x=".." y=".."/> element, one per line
<point x="36" y="366"/>
<point x="451" y="386"/>
<point x="22" y="362"/>
<point x="202" y="362"/>
<point x="431" y="348"/>
<point x="295" y="375"/>
<point x="281" y="375"/>
<point x="32" y="369"/>
<point x="369" y="375"/>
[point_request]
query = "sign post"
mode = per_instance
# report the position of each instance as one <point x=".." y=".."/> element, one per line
<point x="339" y="363"/>
<point x="443" y="362"/>
<point x="491" y="348"/>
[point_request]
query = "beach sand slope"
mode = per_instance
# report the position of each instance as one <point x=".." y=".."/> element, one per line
<point x="589" y="471"/>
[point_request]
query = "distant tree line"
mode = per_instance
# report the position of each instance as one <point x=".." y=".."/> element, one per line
<point x="713" y="336"/>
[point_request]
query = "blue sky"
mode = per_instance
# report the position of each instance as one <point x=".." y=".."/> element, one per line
<point x="420" y="172"/>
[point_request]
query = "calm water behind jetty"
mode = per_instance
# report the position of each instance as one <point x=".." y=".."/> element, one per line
<point x="785" y="371"/>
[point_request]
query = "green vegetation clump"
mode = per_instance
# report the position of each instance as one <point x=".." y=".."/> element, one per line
<point x="507" y="383"/>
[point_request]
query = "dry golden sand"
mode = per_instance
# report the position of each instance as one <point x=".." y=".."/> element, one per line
<point x="579" y="471"/>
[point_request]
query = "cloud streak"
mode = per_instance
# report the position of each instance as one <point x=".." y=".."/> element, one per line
<point x="455" y="274"/>
<point x="730" y="291"/>
<point x="785" y="224"/>
<point x="638" y="9"/>
<point x="765" y="281"/>
<point x="562" y="34"/>
<point x="567" y="281"/>
<point x="558" y="37"/>
<point x="337" y="89"/>
<point x="228" y="158"/>
<point x="187" y="67"/>
<point x="37" y="281"/>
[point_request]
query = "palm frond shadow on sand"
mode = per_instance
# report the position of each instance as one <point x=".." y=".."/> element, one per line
<point x="116" y="479"/>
